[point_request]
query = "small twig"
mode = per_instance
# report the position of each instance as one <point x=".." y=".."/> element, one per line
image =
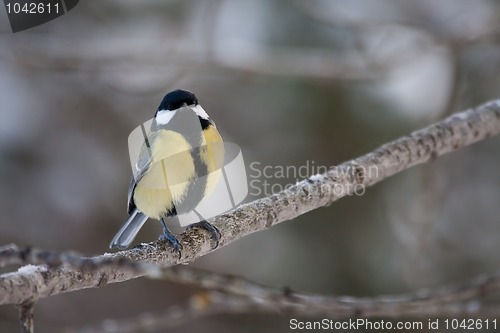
<point x="14" y="255"/>
<point x="26" y="317"/>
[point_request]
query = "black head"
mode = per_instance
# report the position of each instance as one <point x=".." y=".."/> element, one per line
<point x="176" y="99"/>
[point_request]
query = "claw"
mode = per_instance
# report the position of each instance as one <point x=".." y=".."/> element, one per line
<point x="170" y="238"/>
<point x="214" y="232"/>
<point x="173" y="241"/>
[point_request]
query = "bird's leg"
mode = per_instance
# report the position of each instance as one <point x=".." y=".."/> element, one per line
<point x="170" y="238"/>
<point x="214" y="232"/>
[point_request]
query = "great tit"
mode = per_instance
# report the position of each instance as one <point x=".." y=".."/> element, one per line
<point x="178" y="165"/>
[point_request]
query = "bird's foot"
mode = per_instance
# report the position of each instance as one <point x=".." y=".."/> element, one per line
<point x="214" y="232"/>
<point x="173" y="241"/>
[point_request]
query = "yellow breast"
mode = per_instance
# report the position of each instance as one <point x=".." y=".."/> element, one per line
<point x="167" y="181"/>
<point x="212" y="154"/>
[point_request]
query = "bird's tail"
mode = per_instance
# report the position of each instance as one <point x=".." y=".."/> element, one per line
<point x="129" y="230"/>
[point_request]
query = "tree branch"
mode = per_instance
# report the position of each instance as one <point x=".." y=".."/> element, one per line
<point x="26" y="317"/>
<point x="446" y="300"/>
<point x="243" y="296"/>
<point x="455" y="132"/>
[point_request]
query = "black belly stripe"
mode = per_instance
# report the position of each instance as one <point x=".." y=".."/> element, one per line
<point x="196" y="189"/>
<point x="193" y="134"/>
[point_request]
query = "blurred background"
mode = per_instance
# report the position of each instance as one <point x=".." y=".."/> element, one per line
<point x="298" y="83"/>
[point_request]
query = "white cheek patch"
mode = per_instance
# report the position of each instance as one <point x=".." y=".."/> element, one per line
<point x="163" y="117"/>
<point x="200" y="112"/>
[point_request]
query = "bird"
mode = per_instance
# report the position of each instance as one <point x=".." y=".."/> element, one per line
<point x="179" y="164"/>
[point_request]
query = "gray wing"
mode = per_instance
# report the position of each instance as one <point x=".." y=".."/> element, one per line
<point x="142" y="166"/>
